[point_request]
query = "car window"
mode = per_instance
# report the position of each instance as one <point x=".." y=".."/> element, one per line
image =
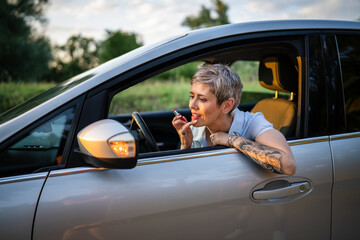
<point x="40" y="148"/>
<point x="260" y="67"/>
<point x="349" y="49"/>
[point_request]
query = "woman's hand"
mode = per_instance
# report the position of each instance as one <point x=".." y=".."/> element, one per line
<point x="184" y="131"/>
<point x="220" y="138"/>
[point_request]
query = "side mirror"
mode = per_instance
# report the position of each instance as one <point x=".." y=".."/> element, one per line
<point x="107" y="143"/>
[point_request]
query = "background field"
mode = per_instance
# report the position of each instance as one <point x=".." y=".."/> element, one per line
<point x="160" y="95"/>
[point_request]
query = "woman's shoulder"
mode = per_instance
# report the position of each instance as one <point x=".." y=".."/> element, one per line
<point x="247" y="116"/>
<point x="249" y="125"/>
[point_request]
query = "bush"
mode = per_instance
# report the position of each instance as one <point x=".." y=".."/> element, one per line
<point x="183" y="72"/>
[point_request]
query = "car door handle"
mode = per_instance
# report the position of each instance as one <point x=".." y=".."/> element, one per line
<point x="293" y="189"/>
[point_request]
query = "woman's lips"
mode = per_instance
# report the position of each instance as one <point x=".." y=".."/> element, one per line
<point x="195" y="116"/>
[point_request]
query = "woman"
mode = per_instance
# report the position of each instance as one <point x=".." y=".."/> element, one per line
<point x="214" y="97"/>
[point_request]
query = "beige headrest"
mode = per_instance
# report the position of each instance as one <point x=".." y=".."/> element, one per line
<point x="278" y="73"/>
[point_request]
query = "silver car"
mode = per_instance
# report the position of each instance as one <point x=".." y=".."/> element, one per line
<point x="71" y="169"/>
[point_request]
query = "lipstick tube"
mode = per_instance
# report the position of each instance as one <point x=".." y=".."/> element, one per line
<point x="176" y="113"/>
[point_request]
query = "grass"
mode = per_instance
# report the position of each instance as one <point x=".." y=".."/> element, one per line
<point x="12" y="94"/>
<point x="159" y="95"/>
<point x="151" y="96"/>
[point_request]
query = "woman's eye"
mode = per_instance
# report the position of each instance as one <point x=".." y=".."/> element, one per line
<point x="202" y="99"/>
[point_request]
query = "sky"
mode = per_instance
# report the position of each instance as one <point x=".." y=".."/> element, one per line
<point x="155" y="20"/>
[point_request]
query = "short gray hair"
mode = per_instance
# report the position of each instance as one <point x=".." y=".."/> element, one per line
<point x="222" y="80"/>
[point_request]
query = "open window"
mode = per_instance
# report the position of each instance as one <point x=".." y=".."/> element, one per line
<point x="270" y="73"/>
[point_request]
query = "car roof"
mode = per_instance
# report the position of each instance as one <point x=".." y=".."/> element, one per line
<point x="86" y="81"/>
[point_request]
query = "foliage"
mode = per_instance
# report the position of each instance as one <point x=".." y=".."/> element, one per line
<point x="247" y="70"/>
<point x="24" y="54"/>
<point x="117" y="43"/>
<point x="27" y="56"/>
<point x="77" y="55"/>
<point x="81" y="53"/>
<point x="205" y="18"/>
<point x="182" y="72"/>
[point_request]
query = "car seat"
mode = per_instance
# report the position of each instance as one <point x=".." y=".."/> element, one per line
<point x="278" y="73"/>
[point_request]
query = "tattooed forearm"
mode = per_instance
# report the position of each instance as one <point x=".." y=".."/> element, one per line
<point x="265" y="156"/>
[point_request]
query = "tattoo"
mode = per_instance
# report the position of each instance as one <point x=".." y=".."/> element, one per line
<point x="266" y="157"/>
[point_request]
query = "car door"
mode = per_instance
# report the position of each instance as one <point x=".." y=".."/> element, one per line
<point x="345" y="143"/>
<point x="187" y="196"/>
<point x="211" y="193"/>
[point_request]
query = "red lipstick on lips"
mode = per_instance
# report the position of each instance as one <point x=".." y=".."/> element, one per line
<point x="194" y="116"/>
<point x="178" y="114"/>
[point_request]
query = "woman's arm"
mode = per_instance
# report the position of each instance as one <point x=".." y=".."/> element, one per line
<point x="270" y="150"/>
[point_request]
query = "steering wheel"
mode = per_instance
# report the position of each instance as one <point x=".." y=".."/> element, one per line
<point x="144" y="132"/>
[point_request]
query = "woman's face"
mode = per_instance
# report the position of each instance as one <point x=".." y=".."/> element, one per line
<point x="203" y="105"/>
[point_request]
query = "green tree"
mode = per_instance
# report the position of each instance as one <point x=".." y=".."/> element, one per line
<point x="24" y="54"/>
<point x="77" y="55"/>
<point x="117" y="43"/>
<point x="205" y="19"/>
<point x="80" y="53"/>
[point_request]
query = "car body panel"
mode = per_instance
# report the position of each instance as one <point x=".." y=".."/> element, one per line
<point x="202" y="195"/>
<point x="346" y="191"/>
<point x="18" y="201"/>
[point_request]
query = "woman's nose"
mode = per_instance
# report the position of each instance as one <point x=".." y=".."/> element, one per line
<point x="193" y="104"/>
